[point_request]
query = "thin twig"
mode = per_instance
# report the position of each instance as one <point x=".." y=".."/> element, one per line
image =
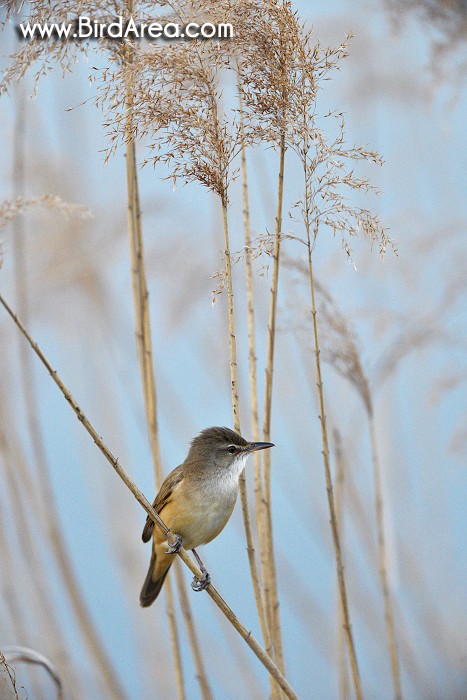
<point x="212" y="592"/>
<point x="10" y="674"/>
<point x="18" y="654"/>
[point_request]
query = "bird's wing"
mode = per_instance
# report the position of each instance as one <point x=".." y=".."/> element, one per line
<point x="171" y="482"/>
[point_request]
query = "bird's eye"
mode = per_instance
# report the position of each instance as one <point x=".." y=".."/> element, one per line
<point x="232" y="449"/>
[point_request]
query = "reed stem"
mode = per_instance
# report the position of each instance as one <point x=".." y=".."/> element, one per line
<point x="255" y="427"/>
<point x="332" y="510"/>
<point x="266" y="541"/>
<point x="266" y="660"/>
<point x="143" y="335"/>
<point x="236" y="418"/>
<point x="46" y="495"/>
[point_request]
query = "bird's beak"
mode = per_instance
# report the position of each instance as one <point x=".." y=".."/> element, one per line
<point x="253" y="446"/>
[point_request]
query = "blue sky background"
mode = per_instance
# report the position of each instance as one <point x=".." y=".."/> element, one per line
<point x="79" y="290"/>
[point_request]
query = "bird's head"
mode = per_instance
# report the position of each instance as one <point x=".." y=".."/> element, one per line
<point x="223" y="448"/>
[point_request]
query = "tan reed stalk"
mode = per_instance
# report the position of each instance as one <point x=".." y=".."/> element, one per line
<point x="201" y="676"/>
<point x="236" y="417"/>
<point x="139" y="283"/>
<point x="218" y="163"/>
<point x="234" y="369"/>
<point x="140" y="300"/>
<point x="144" y="344"/>
<point x="364" y="528"/>
<point x="381" y="542"/>
<point x="199" y="92"/>
<point x="269" y="97"/>
<point x="382" y="557"/>
<point x="255" y="428"/>
<point x="267" y="549"/>
<point x="327" y="471"/>
<point x="363" y="386"/>
<point x="339" y="491"/>
<point x="212" y="592"/>
<point x="47" y="497"/>
<point x="235" y="402"/>
<point x="344" y="356"/>
<point x="231" y="317"/>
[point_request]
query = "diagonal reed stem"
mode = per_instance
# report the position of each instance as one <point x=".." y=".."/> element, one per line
<point x="266" y="660"/>
<point x="30" y="399"/>
<point x="59" y="550"/>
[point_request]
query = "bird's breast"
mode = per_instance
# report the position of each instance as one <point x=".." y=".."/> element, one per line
<point x="206" y="509"/>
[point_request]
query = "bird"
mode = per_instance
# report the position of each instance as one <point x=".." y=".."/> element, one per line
<point x="196" y="501"/>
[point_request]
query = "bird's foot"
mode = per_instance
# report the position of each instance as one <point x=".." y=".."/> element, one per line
<point x="175" y="544"/>
<point x="199" y="584"/>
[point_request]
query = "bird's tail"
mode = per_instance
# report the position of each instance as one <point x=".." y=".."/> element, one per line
<point x="154" y="580"/>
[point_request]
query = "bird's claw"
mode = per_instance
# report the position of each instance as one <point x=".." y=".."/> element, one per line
<point x="175" y="545"/>
<point x="199" y="584"/>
